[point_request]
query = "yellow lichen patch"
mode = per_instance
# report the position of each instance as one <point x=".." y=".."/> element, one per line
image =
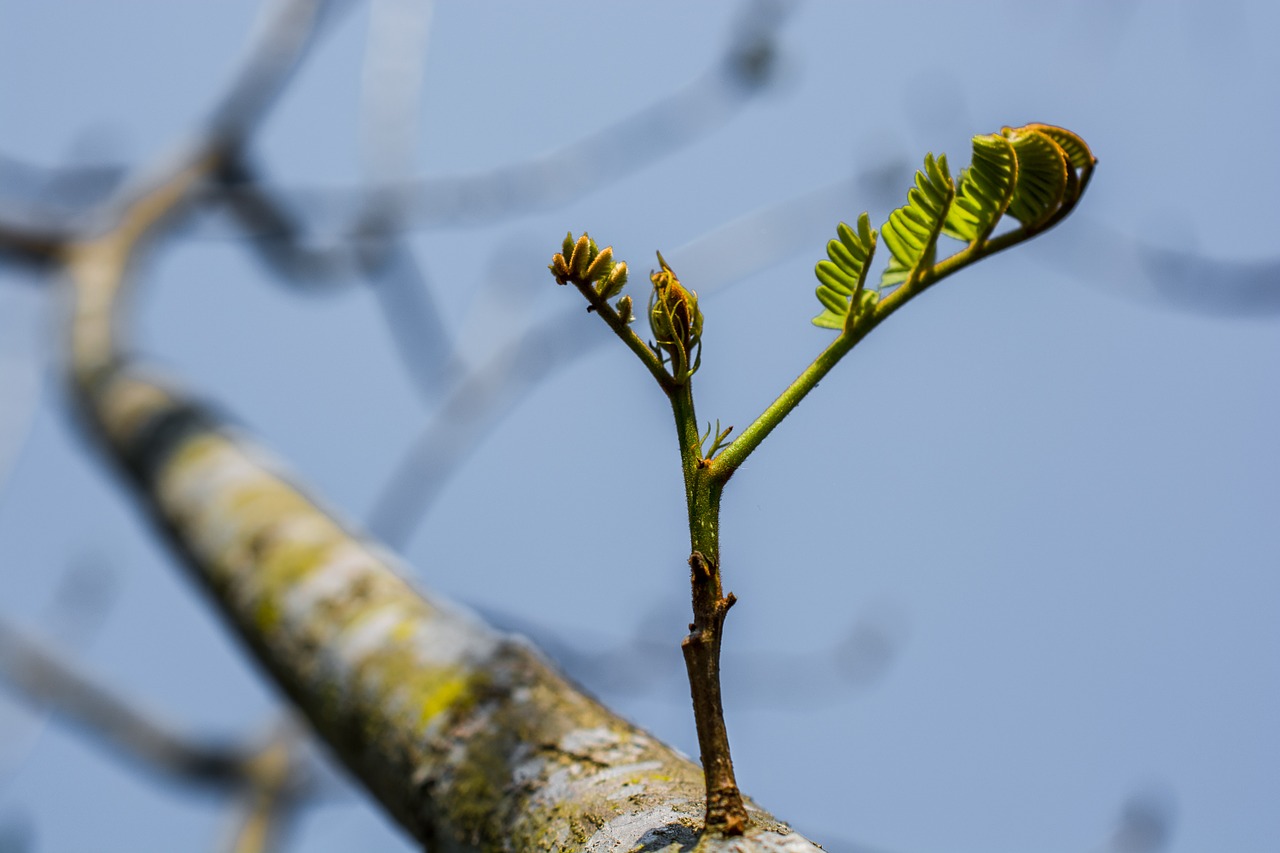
<point x="264" y="504"/>
<point x="286" y="559"/>
<point x="440" y="696"/>
<point x="267" y="613"/>
<point x="281" y="558"/>
<point x="240" y="525"/>
<point x="405" y="630"/>
<point x="368" y="631"/>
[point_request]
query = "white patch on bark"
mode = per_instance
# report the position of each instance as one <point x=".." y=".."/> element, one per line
<point x="370" y="634"/>
<point x="331" y="580"/>
<point x="625" y="831"/>
<point x="453" y="638"/>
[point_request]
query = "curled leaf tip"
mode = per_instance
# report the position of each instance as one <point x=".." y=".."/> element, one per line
<point x="1034" y="174"/>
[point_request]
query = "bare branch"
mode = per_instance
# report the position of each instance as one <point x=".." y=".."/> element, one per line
<point x="270" y="800"/>
<point x="559" y="176"/>
<point x="39" y="677"/>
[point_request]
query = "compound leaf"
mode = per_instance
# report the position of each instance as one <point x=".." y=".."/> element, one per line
<point x="912" y="231"/>
<point x="842" y="276"/>
<point x="985" y="190"/>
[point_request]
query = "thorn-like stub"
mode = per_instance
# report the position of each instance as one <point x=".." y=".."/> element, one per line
<point x="700" y="565"/>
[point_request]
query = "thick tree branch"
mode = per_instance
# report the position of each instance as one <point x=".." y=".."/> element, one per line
<point x="468" y="737"/>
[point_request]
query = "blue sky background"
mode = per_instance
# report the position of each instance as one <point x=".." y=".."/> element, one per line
<point x="1044" y="495"/>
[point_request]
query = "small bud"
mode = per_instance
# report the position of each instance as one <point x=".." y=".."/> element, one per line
<point x="567" y="246"/>
<point x="673" y="311"/>
<point x="616" y="280"/>
<point x="559" y="268"/>
<point x="624" y="310"/>
<point x="581" y="258"/>
<point x="676" y="321"/>
<point x="601" y="265"/>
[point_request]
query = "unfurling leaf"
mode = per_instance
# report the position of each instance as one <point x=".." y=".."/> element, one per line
<point x="1035" y="173"/>
<point x="600" y="264"/>
<point x="613" y="283"/>
<point x="985" y="190"/>
<point x="912" y="231"/>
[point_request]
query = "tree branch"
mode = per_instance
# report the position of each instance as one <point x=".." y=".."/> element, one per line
<point x="42" y="679"/>
<point x="469" y="738"/>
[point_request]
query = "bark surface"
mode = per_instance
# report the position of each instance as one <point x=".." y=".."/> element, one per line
<point x="469" y="737"/>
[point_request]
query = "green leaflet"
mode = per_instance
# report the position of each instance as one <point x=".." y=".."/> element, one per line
<point x="1042" y="176"/>
<point x="912" y="231"/>
<point x="986" y="188"/>
<point x="1035" y="173"/>
<point x="842" y="277"/>
<point x="1078" y="154"/>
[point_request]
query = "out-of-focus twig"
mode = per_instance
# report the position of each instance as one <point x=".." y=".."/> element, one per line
<point x="480" y="396"/>
<point x="372" y="248"/>
<point x="283" y="37"/>
<point x="1145" y="824"/>
<point x="50" y="197"/>
<point x="1217" y="286"/>
<point x="96" y="264"/>
<point x="269" y="781"/>
<point x="391" y="87"/>
<point x="468" y="412"/>
<point x="38" y="676"/>
<point x="702" y="106"/>
<point x="1188" y="281"/>
<point x="33" y="245"/>
<point x="267" y="804"/>
<point x="285" y="31"/>
<point x="649" y="664"/>
<point x="379" y="255"/>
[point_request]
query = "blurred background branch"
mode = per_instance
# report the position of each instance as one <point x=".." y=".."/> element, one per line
<point x="322" y="237"/>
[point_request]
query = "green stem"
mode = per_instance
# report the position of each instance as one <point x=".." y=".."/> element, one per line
<point x="726" y="812"/>
<point x="630" y="338"/>
<point x="722" y="467"/>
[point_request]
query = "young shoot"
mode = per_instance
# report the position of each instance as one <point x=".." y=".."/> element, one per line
<point x="1032" y="175"/>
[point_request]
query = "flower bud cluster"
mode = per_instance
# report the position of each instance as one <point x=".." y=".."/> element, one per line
<point x="583" y="263"/>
